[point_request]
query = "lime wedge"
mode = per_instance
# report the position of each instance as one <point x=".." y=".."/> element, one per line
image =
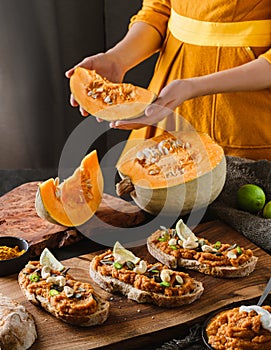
<point x="184" y="232"/>
<point x="48" y="259"/>
<point x="123" y="255"/>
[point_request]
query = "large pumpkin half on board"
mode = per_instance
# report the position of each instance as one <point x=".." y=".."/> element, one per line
<point x="107" y="100"/>
<point x="173" y="173"/>
<point x="75" y="200"/>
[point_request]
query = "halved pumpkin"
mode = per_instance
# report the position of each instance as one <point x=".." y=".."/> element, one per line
<point x="76" y="199"/>
<point x="173" y="172"/>
<point x="106" y="100"/>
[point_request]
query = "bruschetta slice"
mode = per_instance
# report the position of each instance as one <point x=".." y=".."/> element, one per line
<point x="141" y="281"/>
<point x="51" y="287"/>
<point x="180" y="247"/>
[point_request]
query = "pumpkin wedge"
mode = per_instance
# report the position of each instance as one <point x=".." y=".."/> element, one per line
<point x="106" y="100"/>
<point x="173" y="172"/>
<point x="76" y="199"/>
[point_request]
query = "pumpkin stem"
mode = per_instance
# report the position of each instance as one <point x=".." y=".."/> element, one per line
<point x="125" y="186"/>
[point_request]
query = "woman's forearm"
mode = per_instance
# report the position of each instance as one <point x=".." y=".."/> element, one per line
<point x="141" y="41"/>
<point x="255" y="75"/>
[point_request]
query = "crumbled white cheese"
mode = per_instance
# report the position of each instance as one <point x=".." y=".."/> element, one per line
<point x="141" y="267"/>
<point x="45" y="272"/>
<point x="165" y="275"/>
<point x="231" y="255"/>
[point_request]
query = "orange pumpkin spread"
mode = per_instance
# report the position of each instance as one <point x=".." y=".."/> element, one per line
<point x="213" y="254"/>
<point x="236" y="330"/>
<point x="154" y="278"/>
<point x="65" y="294"/>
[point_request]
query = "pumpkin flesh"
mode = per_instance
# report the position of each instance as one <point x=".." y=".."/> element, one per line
<point x="74" y="201"/>
<point x="106" y="100"/>
<point x="176" y="172"/>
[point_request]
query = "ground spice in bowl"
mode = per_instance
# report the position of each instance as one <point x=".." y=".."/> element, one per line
<point x="10" y="252"/>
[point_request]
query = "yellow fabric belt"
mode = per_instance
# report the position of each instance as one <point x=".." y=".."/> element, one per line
<point x="231" y="34"/>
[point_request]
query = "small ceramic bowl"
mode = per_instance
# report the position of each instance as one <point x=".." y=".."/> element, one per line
<point x="14" y="265"/>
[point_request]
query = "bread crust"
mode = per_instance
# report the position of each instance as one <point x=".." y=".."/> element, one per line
<point x="113" y="285"/>
<point x="217" y="271"/>
<point x="96" y="318"/>
<point x="18" y="330"/>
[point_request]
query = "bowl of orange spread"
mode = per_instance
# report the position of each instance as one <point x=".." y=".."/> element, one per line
<point x="242" y="328"/>
<point x="14" y="254"/>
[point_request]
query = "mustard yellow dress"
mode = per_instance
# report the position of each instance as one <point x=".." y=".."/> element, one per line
<point x="241" y="121"/>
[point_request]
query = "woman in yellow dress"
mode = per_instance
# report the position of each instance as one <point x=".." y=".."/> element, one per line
<point x="214" y="69"/>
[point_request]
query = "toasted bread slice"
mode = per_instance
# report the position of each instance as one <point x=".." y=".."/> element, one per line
<point x="227" y="261"/>
<point x="145" y="287"/>
<point x="67" y="299"/>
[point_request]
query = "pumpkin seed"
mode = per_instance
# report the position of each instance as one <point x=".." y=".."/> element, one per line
<point x="231" y="247"/>
<point x="107" y="100"/>
<point x="130" y="265"/>
<point x="179" y="279"/>
<point x="157" y="279"/>
<point x="153" y="269"/>
<point x="107" y="262"/>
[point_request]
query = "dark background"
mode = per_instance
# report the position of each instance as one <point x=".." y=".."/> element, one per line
<point x="39" y="41"/>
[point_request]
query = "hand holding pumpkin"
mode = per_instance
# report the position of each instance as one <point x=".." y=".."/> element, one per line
<point x="171" y="96"/>
<point x="105" y="64"/>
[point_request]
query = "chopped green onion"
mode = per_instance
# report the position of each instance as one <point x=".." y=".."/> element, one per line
<point x="53" y="292"/>
<point x="34" y="277"/>
<point x="117" y="265"/>
<point x="165" y="284"/>
<point x="239" y="250"/>
<point x="217" y="245"/>
<point x="173" y="247"/>
<point x="162" y="239"/>
<point x="154" y="271"/>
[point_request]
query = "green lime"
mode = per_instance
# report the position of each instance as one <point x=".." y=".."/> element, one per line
<point x="267" y="210"/>
<point x="251" y="198"/>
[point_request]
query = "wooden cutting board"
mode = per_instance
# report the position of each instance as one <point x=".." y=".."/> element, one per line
<point x="18" y="217"/>
<point x="131" y="325"/>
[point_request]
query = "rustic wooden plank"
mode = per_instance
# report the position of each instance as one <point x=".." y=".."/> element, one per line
<point x="130" y="324"/>
<point x="18" y="217"/>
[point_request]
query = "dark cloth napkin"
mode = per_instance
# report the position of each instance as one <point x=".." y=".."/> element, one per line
<point x="192" y="341"/>
<point x="241" y="171"/>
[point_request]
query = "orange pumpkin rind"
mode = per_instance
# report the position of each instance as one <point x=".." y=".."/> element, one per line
<point x="74" y="201"/>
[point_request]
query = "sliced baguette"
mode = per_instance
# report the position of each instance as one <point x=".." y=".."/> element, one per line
<point x="114" y="285"/>
<point x="84" y="319"/>
<point x="217" y="271"/>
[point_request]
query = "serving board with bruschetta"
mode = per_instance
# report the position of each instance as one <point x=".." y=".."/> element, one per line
<point x="133" y="325"/>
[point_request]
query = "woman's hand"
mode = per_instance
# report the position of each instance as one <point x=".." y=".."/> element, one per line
<point x="114" y="63"/>
<point x="106" y="65"/>
<point x="171" y="96"/>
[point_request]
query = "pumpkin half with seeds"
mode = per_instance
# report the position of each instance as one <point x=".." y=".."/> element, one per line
<point x="75" y="200"/>
<point x="106" y="100"/>
<point x="173" y="173"/>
